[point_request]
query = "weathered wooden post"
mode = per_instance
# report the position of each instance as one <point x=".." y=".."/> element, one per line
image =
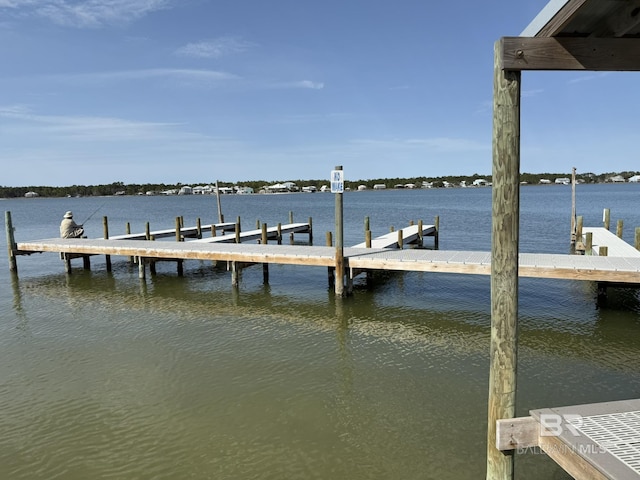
<point x="588" y="245"/>
<point x="265" y="266"/>
<point x="238" y="230"/>
<point x="220" y="216"/>
<point x="619" y="227"/>
<point x="606" y="217"/>
<point x="11" y="242"/>
<point x="367" y="239"/>
<point x="179" y="238"/>
<point x="603" y="251"/>
<point x="337" y="185"/>
<point x="573" y="206"/>
<point x="420" y="235"/>
<point x="279" y="233"/>
<point x="637" y="238"/>
<point x="291" y="238"/>
<point x="105" y="235"/>
<point x="198" y="228"/>
<point x="310" y="231"/>
<point x="504" y="260"/>
<point x="400" y="240"/>
<point x="330" y="270"/>
<point x="127" y="230"/>
<point x="436" y="237"/>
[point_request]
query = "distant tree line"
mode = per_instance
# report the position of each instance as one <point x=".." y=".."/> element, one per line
<point x="120" y="188"/>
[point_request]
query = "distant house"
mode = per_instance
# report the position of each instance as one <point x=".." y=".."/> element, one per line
<point x="31" y="194"/>
<point x="379" y="186"/>
<point x="615" y="179"/>
<point x="362" y="187"/>
<point x="426" y="184"/>
<point x="244" y="190"/>
<point x="563" y="181"/>
<point x="545" y="181"/>
<point x="309" y="189"/>
<point x="480" y="182"/>
<point x="410" y="185"/>
<point x="186" y="190"/>
<point x="282" y="187"/>
<point x="634" y="179"/>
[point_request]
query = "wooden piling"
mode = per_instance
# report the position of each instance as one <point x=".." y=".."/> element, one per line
<point x="619" y="227"/>
<point x="603" y="251"/>
<point x="291" y="238"/>
<point x="400" y="240"/>
<point x="330" y="270"/>
<point x="420" y="234"/>
<point x="127" y="230"/>
<point x="504" y="260"/>
<point x="310" y="231"/>
<point x="141" y="268"/>
<point x="606" y="217"/>
<point x="588" y="244"/>
<point x="279" y="233"/>
<point x="339" y="272"/>
<point x="105" y="235"/>
<point x="574" y="235"/>
<point x="238" y="230"/>
<point x="198" y="228"/>
<point x="265" y="266"/>
<point x="179" y="238"/>
<point x="220" y="215"/>
<point x="11" y="242"/>
<point x="367" y="239"/>
<point x="637" y="239"/>
<point x="436" y="235"/>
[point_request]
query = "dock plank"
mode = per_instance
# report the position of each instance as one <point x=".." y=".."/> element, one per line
<point x="558" y="266"/>
<point x="615" y="245"/>
<point x="390" y="240"/>
<point x="250" y="235"/>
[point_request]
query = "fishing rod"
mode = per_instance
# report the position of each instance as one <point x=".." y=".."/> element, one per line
<point x="94" y="212"/>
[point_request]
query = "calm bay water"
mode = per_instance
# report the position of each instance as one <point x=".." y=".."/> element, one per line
<point x="107" y="376"/>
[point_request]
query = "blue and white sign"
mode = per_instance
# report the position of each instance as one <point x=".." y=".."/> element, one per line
<point x="337" y="181"/>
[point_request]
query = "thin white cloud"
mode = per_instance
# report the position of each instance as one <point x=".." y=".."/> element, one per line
<point x="305" y="84"/>
<point x="436" y="144"/>
<point x="216" y="48"/>
<point x="588" y="77"/>
<point x="86" y="13"/>
<point x="188" y="76"/>
<point x="531" y="93"/>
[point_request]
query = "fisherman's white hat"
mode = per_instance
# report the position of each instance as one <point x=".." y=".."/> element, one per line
<point x="69" y="214"/>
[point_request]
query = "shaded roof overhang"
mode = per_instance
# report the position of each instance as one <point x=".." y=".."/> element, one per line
<point x="578" y="35"/>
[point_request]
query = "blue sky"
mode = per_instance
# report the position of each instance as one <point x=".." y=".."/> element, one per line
<point x="169" y="91"/>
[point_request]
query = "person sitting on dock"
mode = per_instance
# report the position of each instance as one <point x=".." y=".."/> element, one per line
<point x="69" y="228"/>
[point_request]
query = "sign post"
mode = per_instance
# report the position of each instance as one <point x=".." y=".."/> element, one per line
<point x="337" y="187"/>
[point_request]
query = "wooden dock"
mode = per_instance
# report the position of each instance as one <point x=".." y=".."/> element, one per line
<point x="559" y="266"/>
<point x="597" y="441"/>
<point x="413" y="234"/>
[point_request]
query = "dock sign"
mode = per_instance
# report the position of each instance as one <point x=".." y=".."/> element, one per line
<point x="337" y="181"/>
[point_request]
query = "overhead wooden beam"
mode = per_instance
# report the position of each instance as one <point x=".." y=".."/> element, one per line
<point x="564" y="53"/>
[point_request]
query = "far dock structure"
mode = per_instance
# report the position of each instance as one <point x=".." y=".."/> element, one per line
<point x="576" y="35"/>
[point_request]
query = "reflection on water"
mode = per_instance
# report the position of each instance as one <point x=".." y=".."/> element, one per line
<point x="105" y="375"/>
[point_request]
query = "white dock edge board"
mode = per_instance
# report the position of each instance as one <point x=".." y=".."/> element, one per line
<point x="255" y="234"/>
<point x="169" y="232"/>
<point x="615" y="245"/>
<point x="390" y="240"/>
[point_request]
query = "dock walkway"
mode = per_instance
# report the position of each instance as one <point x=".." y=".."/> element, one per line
<point x="186" y="232"/>
<point x="409" y="235"/>
<point x="558" y="266"/>
<point x="615" y="246"/>
<point x="598" y="440"/>
<point x="273" y="233"/>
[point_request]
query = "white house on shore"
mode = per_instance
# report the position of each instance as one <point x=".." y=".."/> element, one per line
<point x="634" y="179"/>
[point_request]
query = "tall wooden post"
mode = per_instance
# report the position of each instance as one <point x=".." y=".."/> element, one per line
<point x="291" y="237"/>
<point x="339" y="272"/>
<point x="220" y="216"/>
<point x="11" y="243"/>
<point x="606" y="217"/>
<point x="637" y="238"/>
<point x="573" y="206"/>
<point x="105" y="229"/>
<point x="504" y="260"/>
<point x="436" y="238"/>
<point x="619" y="228"/>
<point x="330" y="270"/>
